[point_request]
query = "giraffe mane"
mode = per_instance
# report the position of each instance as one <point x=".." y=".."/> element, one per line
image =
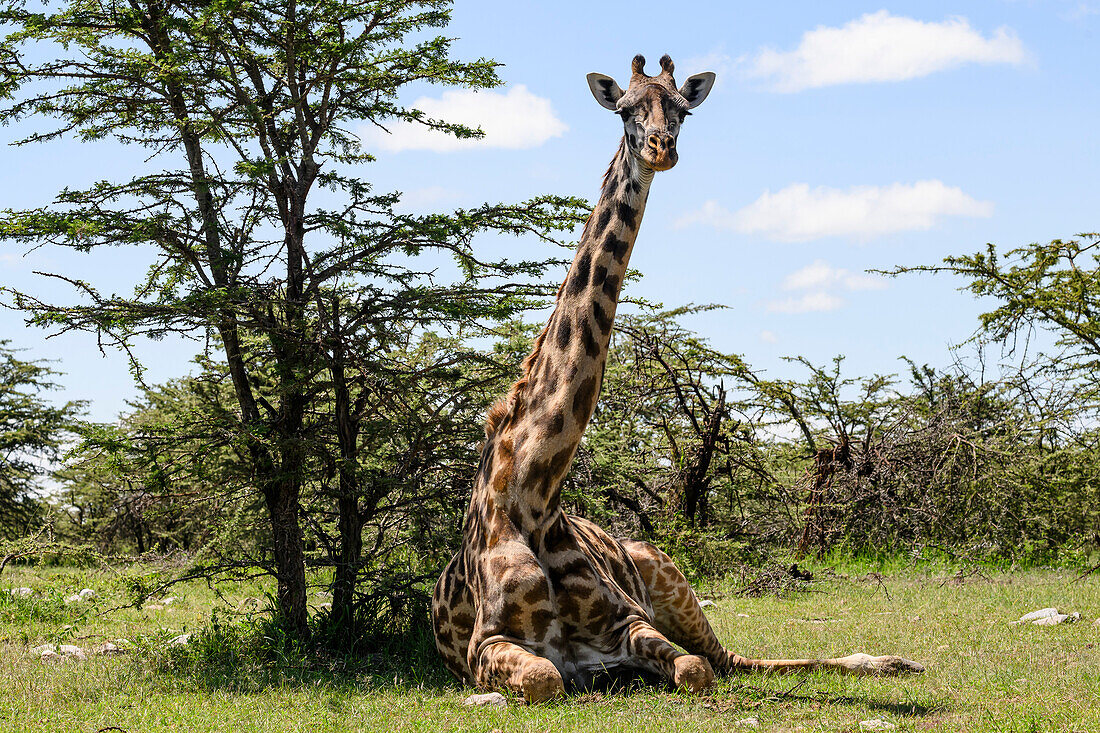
<point x="512" y="402"/>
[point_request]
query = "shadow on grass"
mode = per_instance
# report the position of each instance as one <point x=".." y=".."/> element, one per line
<point x="251" y="657"/>
<point x="247" y="659"/>
<point x="909" y="708"/>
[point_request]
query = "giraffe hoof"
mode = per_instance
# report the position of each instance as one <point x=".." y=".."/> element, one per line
<point x="541" y="681"/>
<point x="693" y="673"/>
<point x="897" y="665"/>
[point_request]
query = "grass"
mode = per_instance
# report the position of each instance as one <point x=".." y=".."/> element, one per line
<point x="983" y="675"/>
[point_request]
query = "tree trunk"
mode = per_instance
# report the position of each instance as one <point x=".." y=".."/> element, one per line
<point x="350" y="520"/>
<point x="696" y="481"/>
<point x="290" y="568"/>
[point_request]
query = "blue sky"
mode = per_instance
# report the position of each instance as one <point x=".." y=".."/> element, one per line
<point x="840" y="137"/>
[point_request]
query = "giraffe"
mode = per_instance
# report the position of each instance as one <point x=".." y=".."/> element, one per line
<point x="536" y="600"/>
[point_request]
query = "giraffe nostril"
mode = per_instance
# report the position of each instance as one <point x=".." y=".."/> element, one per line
<point x="654" y="142"/>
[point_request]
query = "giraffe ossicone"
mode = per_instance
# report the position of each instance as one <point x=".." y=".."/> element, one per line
<point x="537" y="601"/>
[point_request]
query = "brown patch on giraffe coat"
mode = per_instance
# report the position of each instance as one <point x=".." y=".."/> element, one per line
<point x="540" y="622"/>
<point x="611" y="287"/>
<point x="565" y="332"/>
<point x="498" y="566"/>
<point x="603" y="219"/>
<point x="557" y="537"/>
<point x="539" y="593"/>
<point x="592" y="347"/>
<point x="626" y="213"/>
<point x="579" y="279"/>
<point x="617" y="247"/>
<point x="583" y="399"/>
<point x="603" y="318"/>
<point x="555" y="423"/>
<point x="599" y="274"/>
<point x="560" y="462"/>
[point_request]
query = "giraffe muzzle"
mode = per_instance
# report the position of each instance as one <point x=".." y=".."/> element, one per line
<point x="660" y="151"/>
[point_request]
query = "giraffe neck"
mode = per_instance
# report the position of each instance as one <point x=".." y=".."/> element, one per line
<point x="534" y="432"/>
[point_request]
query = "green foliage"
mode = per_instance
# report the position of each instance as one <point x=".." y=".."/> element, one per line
<point x="32" y="435"/>
<point x="47" y="608"/>
<point x="315" y="314"/>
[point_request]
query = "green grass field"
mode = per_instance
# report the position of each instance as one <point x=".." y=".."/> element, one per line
<point x="983" y="674"/>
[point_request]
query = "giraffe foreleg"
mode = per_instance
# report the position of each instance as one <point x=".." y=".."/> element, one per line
<point x="648" y="648"/>
<point x="453" y="619"/>
<point x="507" y="665"/>
<point x="515" y="626"/>
<point x="676" y="611"/>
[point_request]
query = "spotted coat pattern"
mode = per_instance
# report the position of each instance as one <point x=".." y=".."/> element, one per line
<point x="537" y="600"/>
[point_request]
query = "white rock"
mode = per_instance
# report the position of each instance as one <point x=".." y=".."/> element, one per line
<point x="1061" y="618"/>
<point x="74" y="652"/>
<point x="743" y="615"/>
<point x="169" y="600"/>
<point x="20" y="592"/>
<point x="83" y="596"/>
<point x="748" y="723"/>
<point x="876" y="724"/>
<point x="55" y="653"/>
<point x="181" y="640"/>
<point x="494" y="699"/>
<point x="106" y="649"/>
<point x="1036" y="615"/>
<point x="706" y="604"/>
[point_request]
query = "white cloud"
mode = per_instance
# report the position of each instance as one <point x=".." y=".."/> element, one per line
<point x="1081" y="11"/>
<point x="516" y="119"/>
<point x="807" y="303"/>
<point x="823" y="281"/>
<point x="880" y="47"/>
<point x="820" y="274"/>
<point x="768" y="337"/>
<point x="798" y="213"/>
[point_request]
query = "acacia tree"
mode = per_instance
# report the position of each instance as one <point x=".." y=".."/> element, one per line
<point x="32" y="433"/>
<point x="1053" y="286"/>
<point x="247" y="109"/>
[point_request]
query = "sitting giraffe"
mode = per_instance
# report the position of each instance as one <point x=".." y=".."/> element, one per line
<point x="536" y="599"/>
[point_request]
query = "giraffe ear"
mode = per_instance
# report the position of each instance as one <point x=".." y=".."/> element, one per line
<point x="605" y="90"/>
<point x="697" y="87"/>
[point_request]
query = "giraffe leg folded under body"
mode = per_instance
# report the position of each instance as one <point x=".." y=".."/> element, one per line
<point x="650" y="649"/>
<point x="678" y="615"/>
<point x="516" y="626"/>
<point x="453" y="615"/>
<point x="505" y="664"/>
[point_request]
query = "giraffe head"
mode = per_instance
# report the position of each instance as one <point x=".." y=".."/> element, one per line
<point x="652" y="108"/>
